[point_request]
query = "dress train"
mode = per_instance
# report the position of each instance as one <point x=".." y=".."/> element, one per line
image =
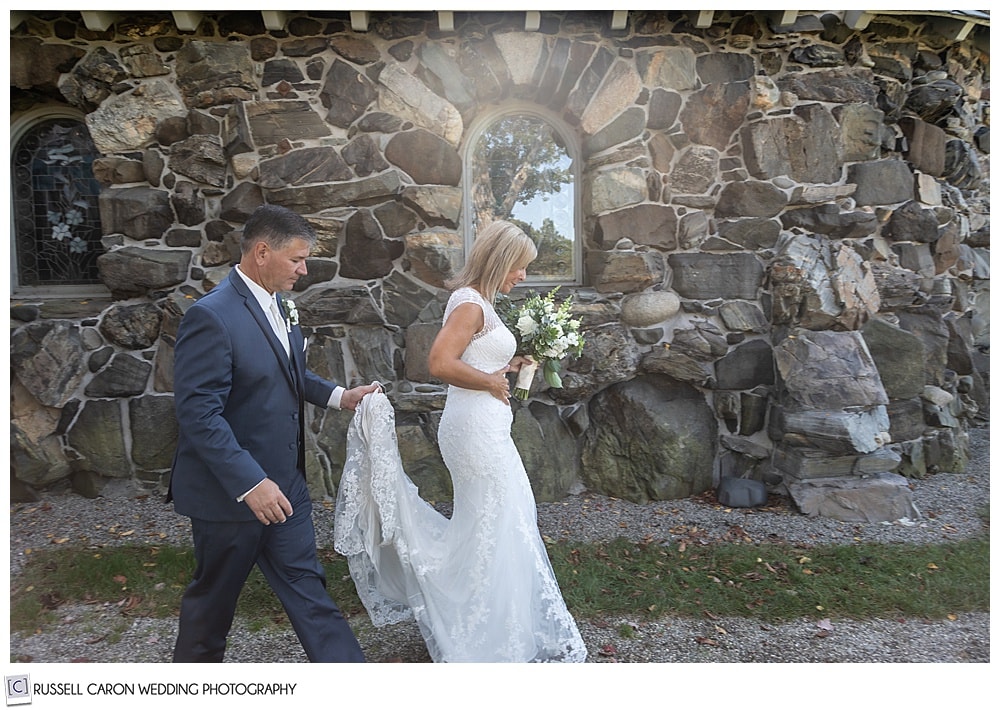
<point x="479" y="584"/>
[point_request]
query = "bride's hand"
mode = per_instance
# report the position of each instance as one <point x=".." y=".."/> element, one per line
<point x="518" y="362"/>
<point x="499" y="386"/>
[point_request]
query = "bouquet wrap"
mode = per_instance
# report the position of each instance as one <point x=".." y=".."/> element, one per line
<point x="524" y="377"/>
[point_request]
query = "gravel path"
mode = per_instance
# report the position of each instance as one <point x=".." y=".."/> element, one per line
<point x="952" y="508"/>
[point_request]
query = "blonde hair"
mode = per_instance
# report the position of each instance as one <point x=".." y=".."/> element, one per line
<point x="498" y="249"/>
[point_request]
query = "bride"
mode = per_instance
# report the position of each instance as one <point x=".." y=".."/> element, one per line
<point x="479" y="585"/>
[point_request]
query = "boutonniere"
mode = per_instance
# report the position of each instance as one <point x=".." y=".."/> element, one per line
<point x="291" y="313"/>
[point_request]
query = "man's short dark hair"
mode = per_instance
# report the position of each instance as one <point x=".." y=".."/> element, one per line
<point x="277" y="226"/>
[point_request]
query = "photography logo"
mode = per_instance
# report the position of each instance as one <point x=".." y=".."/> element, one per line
<point x="18" y="689"/>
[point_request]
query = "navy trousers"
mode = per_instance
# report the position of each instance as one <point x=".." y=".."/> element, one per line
<point x="226" y="552"/>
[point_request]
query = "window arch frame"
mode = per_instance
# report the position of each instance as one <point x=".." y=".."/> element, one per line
<point x="574" y="151"/>
<point x="21" y="124"/>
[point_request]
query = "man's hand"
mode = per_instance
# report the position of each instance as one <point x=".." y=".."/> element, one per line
<point x="350" y="398"/>
<point x="268" y="503"/>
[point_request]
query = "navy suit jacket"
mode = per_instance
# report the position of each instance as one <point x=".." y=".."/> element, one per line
<point x="239" y="403"/>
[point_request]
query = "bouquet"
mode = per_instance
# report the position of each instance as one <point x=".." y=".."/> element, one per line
<point x="545" y="333"/>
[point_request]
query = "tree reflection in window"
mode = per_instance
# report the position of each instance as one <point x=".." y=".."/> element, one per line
<point x="522" y="172"/>
<point x="56" y="215"/>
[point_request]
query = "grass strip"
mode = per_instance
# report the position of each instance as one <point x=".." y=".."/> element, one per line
<point x="769" y="582"/>
<point x="774" y="582"/>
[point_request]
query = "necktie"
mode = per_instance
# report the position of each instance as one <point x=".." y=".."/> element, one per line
<point x="280" y="329"/>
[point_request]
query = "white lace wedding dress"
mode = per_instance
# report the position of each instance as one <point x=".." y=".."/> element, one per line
<point x="479" y="585"/>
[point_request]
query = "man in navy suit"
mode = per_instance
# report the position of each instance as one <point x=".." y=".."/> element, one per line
<point x="240" y="384"/>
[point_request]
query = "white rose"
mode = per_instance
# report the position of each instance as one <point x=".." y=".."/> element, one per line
<point x="526" y="325"/>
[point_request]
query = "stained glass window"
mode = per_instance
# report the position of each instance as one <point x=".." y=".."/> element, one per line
<point x="56" y="218"/>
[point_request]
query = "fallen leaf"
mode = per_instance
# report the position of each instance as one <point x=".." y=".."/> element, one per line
<point x="120" y="578"/>
<point x="132" y="602"/>
<point x="607" y="650"/>
<point x="931" y="565"/>
<point x="706" y="641"/>
<point x="825" y="624"/>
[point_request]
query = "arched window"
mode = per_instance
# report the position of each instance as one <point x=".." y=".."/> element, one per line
<point x="522" y="166"/>
<point x="55" y="217"/>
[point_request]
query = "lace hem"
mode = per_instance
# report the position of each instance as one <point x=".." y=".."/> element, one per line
<point x="366" y="518"/>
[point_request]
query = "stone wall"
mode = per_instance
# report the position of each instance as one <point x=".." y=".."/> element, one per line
<point x="786" y="236"/>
